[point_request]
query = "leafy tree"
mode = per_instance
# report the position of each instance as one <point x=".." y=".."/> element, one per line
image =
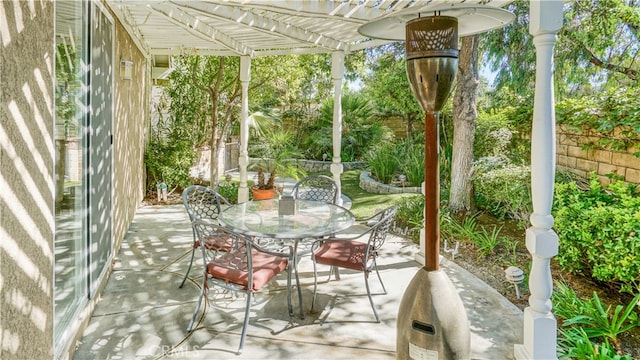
<point x="204" y="92"/>
<point x="598" y="46"/>
<point x="387" y="85"/>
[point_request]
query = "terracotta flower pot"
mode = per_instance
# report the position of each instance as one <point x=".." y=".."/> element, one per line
<point x="263" y="194"/>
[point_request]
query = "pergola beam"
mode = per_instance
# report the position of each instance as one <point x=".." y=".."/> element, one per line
<point x="122" y="13"/>
<point x="201" y="29"/>
<point x="248" y="19"/>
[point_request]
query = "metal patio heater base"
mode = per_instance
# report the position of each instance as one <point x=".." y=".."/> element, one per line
<point x="434" y="320"/>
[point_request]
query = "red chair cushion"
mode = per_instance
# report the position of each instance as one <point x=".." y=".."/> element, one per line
<point x="265" y="268"/>
<point x="342" y="253"/>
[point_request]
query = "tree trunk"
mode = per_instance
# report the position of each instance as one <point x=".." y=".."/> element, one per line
<point x="215" y="132"/>
<point x="464" y="119"/>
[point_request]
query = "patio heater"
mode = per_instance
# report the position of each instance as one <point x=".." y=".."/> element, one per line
<point x="432" y="322"/>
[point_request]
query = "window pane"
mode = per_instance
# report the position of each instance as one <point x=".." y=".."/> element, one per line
<point x="70" y="122"/>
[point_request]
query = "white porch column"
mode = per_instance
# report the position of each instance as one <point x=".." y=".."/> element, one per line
<point x="337" y="73"/>
<point x="540" y="328"/>
<point x="243" y="161"/>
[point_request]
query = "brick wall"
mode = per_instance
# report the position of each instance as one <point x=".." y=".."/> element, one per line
<point x="572" y="157"/>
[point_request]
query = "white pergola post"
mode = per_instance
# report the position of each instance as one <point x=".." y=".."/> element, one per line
<point x="243" y="160"/>
<point x="337" y="73"/>
<point x="540" y="326"/>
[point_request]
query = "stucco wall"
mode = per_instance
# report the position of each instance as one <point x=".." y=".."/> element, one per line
<point x="26" y="180"/>
<point x="572" y="157"/>
<point x="131" y="121"/>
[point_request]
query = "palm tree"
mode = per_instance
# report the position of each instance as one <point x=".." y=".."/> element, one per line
<point x="277" y="153"/>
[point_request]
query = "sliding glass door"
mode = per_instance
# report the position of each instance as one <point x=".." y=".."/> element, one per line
<point x="83" y="167"/>
<point x="71" y="117"/>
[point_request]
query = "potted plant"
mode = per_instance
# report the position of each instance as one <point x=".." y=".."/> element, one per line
<point x="277" y="158"/>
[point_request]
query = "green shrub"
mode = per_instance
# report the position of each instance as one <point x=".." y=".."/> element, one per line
<point x="411" y="154"/>
<point x="229" y="190"/>
<point x="383" y="163"/>
<point x="168" y="162"/>
<point x="410" y="216"/>
<point x="588" y="328"/>
<point x="614" y="113"/>
<point x="598" y="231"/>
<point x="463" y="229"/>
<point x="504" y="131"/>
<point x="486" y="241"/>
<point x="502" y="188"/>
<point x="359" y="133"/>
<point x="574" y="343"/>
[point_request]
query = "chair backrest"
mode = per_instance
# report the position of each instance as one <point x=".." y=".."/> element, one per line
<point x="220" y="261"/>
<point x="380" y="230"/>
<point x="316" y="187"/>
<point x="202" y="202"/>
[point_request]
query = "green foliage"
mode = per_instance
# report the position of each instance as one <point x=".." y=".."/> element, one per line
<point x="68" y="87"/>
<point x="277" y="153"/>
<point x="597" y="47"/>
<point x="504" y="131"/>
<point x="502" y="188"/>
<point x="366" y="204"/>
<point x="566" y="303"/>
<point x="606" y="324"/>
<point x="410" y="216"/>
<point x="574" y="343"/>
<point x="511" y="247"/>
<point x="613" y="115"/>
<point x="463" y="229"/>
<point x="190" y="101"/>
<point x="587" y="320"/>
<point x="168" y="162"/>
<point x="386" y="84"/>
<point x="486" y="241"/>
<point x="359" y="132"/>
<point x="598" y="231"/>
<point x="229" y="190"/>
<point x="387" y="160"/>
<point x="383" y="163"/>
<point x="410" y="152"/>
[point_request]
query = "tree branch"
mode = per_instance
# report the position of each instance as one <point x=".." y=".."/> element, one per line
<point x="628" y="72"/>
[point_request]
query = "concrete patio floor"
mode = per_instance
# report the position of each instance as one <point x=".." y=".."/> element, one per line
<point x="144" y="315"/>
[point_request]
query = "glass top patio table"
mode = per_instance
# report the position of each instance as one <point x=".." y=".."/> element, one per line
<point x="261" y="218"/>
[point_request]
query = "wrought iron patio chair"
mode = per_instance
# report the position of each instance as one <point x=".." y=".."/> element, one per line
<point x="316" y="187"/>
<point x="354" y="253"/>
<point x="241" y="267"/>
<point x="202" y="202"/>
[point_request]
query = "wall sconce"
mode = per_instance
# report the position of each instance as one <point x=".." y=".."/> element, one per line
<point x="126" y="69"/>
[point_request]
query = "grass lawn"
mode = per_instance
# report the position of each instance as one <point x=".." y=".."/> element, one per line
<point x="364" y="203"/>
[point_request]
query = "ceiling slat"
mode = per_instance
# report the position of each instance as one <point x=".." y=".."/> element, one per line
<point x="191" y="23"/>
<point x="261" y="27"/>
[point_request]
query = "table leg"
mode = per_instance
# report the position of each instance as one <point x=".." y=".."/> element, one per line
<point x="295" y="270"/>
